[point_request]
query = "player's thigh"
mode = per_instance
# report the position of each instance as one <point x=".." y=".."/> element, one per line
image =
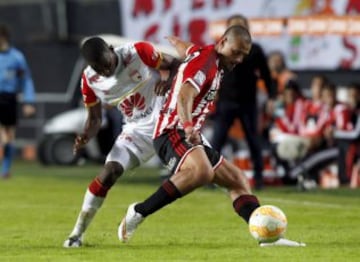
<point x="229" y="176"/>
<point x="131" y="149"/>
<point x="196" y="159"/>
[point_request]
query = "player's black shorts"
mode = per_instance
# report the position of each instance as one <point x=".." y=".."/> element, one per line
<point x="171" y="147"/>
<point x="8" y="109"/>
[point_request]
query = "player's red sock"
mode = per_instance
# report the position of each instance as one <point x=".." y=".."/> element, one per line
<point x="244" y="205"/>
<point x="98" y="189"/>
<point x="166" y="194"/>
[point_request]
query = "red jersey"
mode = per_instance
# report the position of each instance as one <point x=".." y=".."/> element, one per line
<point x="201" y="69"/>
<point x="289" y="121"/>
<point x="338" y="117"/>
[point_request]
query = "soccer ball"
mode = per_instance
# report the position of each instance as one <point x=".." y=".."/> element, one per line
<point x="267" y="223"/>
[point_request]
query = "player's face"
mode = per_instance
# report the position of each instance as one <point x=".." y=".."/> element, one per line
<point x="233" y="51"/>
<point x="107" y="64"/>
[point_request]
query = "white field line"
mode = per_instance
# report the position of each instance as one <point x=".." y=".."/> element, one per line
<point x="307" y="203"/>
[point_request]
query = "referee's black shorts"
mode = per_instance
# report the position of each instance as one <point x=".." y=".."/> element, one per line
<point x="172" y="149"/>
<point x="8" y="109"/>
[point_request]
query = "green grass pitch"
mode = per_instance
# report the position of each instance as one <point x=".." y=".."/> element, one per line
<point x="39" y="206"/>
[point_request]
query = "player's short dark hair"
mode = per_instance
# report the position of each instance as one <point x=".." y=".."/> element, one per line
<point x="93" y="49"/>
<point x="240" y="17"/>
<point x="238" y="30"/>
<point x="4" y="31"/>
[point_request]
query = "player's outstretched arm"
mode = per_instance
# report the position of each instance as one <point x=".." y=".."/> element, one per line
<point x="92" y="126"/>
<point x="184" y="107"/>
<point x="180" y="45"/>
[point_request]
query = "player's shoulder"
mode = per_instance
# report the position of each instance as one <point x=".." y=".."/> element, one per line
<point x="131" y="50"/>
<point x="198" y="48"/>
<point x="134" y="47"/>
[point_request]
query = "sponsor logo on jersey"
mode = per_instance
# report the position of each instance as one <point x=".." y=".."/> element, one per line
<point x="135" y="75"/>
<point x="132" y="103"/>
<point x="199" y="78"/>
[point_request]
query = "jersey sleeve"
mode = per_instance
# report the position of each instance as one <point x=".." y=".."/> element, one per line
<point x="148" y="54"/>
<point x="89" y="97"/>
<point x="342" y="118"/>
<point x="196" y="67"/>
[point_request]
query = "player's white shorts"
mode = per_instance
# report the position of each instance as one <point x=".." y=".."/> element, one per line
<point x="132" y="148"/>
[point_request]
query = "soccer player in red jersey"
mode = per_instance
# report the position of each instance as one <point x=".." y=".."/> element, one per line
<point x="177" y="138"/>
<point x="127" y="77"/>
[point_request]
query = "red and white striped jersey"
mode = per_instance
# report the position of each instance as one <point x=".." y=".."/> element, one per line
<point x="131" y="87"/>
<point x="338" y="117"/>
<point x="290" y="120"/>
<point x="201" y="69"/>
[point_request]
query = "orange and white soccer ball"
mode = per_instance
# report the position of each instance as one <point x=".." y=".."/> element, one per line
<point x="267" y="223"/>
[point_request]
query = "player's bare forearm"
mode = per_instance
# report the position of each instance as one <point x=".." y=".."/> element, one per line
<point x="180" y="45"/>
<point x="93" y="121"/>
<point x="92" y="126"/>
<point x="185" y="102"/>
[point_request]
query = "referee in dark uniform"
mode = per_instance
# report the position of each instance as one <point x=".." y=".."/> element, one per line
<point x="237" y="99"/>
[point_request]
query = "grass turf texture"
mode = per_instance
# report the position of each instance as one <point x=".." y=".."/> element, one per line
<point x="39" y="206"/>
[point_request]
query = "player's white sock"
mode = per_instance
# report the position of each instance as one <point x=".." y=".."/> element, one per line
<point x="90" y="205"/>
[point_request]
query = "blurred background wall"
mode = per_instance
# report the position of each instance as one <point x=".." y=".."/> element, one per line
<point x="49" y="31"/>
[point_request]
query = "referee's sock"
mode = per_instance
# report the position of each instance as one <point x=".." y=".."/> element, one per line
<point x="9" y="150"/>
<point x="166" y="194"/>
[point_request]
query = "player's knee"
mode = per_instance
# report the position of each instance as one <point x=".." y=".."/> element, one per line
<point x="111" y="172"/>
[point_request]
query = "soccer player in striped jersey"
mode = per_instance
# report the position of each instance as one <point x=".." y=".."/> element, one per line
<point x="177" y="138"/>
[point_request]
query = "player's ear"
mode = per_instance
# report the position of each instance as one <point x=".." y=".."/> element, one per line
<point x="222" y="41"/>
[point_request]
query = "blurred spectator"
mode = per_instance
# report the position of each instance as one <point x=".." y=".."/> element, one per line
<point x="348" y="141"/>
<point x="287" y="115"/>
<point x="288" y="112"/>
<point x="280" y="74"/>
<point x="237" y="100"/>
<point x="319" y="134"/>
<point x="353" y="99"/>
<point x="314" y="103"/>
<point x="14" y="78"/>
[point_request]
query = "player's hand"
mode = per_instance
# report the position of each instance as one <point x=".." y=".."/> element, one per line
<point x="192" y="136"/>
<point x="28" y="110"/>
<point x="173" y="40"/>
<point x="80" y="141"/>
